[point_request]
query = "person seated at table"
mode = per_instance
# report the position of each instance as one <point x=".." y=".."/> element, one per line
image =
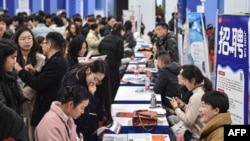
<point x="189" y="113"/>
<point x="58" y="123"/>
<point x="214" y="114"/>
<point x="150" y="60"/>
<point x="166" y="83"/>
<point x="185" y="93"/>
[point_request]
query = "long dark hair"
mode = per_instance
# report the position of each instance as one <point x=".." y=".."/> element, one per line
<point x="10" y="87"/>
<point x="74" y="47"/>
<point x="117" y="28"/>
<point x="191" y="71"/>
<point x="31" y="59"/>
<point x="70" y="34"/>
<point x="98" y="66"/>
<point x="103" y="91"/>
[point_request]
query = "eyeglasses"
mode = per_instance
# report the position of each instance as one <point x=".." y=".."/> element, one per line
<point x="97" y="81"/>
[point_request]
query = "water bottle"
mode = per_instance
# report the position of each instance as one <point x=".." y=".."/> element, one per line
<point x="153" y="100"/>
<point x="147" y="84"/>
<point x="136" y="70"/>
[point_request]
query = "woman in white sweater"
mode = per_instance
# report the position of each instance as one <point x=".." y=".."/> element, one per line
<point x="198" y="85"/>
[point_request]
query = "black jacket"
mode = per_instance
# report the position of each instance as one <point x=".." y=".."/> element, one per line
<point x="14" y="98"/>
<point x="167" y="83"/>
<point x="46" y="83"/>
<point x="112" y="46"/>
<point x="107" y="29"/>
<point x="169" y="43"/>
<point x="129" y="38"/>
<point x="12" y="125"/>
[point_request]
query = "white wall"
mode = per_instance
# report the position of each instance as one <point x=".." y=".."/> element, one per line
<point x="147" y="8"/>
<point x="231" y="6"/>
<point x="170" y="6"/>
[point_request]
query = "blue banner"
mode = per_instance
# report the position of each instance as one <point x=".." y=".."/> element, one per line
<point x="195" y="48"/>
<point x="232" y="64"/>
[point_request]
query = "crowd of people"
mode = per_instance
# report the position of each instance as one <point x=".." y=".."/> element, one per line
<point x="47" y="94"/>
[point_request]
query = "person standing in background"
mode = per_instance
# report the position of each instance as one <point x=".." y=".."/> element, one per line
<point x="3" y="28"/>
<point x="172" y="22"/>
<point x="40" y="29"/>
<point x="109" y="25"/>
<point x="72" y="31"/>
<point x="28" y="55"/>
<point x="78" y="47"/>
<point x="113" y="46"/>
<point x="10" y="92"/>
<point x="94" y="39"/>
<point x="48" y="81"/>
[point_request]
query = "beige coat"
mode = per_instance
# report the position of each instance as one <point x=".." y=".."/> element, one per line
<point x="30" y="96"/>
<point x="27" y="91"/>
<point x="191" y="114"/>
<point x="93" y="41"/>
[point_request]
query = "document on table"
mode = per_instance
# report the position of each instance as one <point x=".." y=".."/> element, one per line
<point x="139" y="137"/>
<point x="115" y="137"/>
<point x="115" y="127"/>
<point x="135" y="137"/>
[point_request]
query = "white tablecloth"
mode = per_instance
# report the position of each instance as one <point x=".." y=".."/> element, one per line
<point x="131" y="136"/>
<point x="134" y="94"/>
<point x="162" y="121"/>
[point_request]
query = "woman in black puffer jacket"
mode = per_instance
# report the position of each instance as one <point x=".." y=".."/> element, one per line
<point x="112" y="46"/>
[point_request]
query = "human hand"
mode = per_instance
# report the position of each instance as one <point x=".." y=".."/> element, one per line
<point x="18" y="67"/>
<point x="181" y="104"/>
<point x="174" y="103"/>
<point x="148" y="73"/>
<point x="92" y="88"/>
<point x="30" y="69"/>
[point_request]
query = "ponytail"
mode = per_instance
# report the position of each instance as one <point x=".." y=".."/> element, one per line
<point x="208" y="86"/>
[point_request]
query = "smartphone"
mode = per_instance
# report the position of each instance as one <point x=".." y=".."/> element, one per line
<point x="169" y="98"/>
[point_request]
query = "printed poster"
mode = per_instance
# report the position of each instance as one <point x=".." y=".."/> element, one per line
<point x="195" y="49"/>
<point x="129" y="15"/>
<point x="232" y="64"/>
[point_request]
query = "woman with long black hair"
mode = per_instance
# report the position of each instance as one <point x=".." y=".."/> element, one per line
<point x="94" y="78"/>
<point x="10" y="92"/>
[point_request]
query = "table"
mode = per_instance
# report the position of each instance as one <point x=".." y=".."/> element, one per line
<point x="134" y="95"/>
<point x="142" y="67"/>
<point x="136" y="137"/>
<point x="132" y="80"/>
<point x="126" y="122"/>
